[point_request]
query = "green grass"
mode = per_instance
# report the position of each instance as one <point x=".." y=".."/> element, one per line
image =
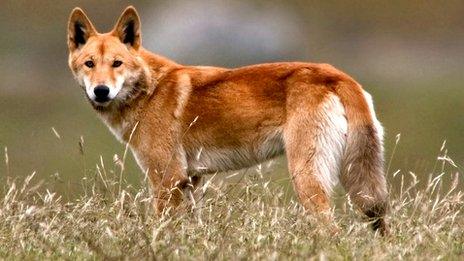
<point x="249" y="217"/>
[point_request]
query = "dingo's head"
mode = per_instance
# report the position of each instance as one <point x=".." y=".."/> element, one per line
<point x="107" y="66"/>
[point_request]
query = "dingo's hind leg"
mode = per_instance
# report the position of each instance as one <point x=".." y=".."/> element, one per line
<point x="315" y="138"/>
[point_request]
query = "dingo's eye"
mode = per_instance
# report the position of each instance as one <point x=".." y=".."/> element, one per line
<point x="116" y="63"/>
<point x="89" y="64"/>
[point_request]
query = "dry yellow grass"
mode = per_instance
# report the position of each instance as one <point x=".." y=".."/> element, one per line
<point x="249" y="218"/>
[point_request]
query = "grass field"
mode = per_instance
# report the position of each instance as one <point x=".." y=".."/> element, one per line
<point x="235" y="217"/>
<point x="79" y="204"/>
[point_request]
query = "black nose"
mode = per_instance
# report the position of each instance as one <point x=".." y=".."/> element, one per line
<point x="101" y="93"/>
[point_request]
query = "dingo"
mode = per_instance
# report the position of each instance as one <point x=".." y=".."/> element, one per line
<point x="185" y="121"/>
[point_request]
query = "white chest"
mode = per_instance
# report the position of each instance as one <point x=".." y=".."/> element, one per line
<point x="119" y="128"/>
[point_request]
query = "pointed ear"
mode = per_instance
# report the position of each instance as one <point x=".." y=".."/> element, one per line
<point x="79" y="29"/>
<point x="128" y="28"/>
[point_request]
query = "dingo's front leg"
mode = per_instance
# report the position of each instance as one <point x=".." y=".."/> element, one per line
<point x="169" y="187"/>
<point x="163" y="160"/>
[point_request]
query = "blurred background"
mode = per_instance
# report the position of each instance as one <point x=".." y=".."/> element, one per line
<point x="408" y="54"/>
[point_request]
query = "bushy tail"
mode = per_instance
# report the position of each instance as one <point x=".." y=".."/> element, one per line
<point x="362" y="173"/>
